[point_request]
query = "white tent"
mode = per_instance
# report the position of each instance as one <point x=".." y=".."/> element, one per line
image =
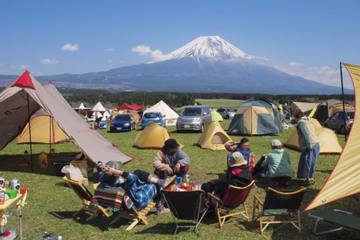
<point x="105" y="116"/>
<point x="98" y="107"/>
<point x="82" y="107"/>
<point x="170" y="115"/>
<point x="26" y="95"/>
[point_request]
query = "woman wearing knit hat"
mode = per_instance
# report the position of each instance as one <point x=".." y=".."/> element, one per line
<point x="276" y="165"/>
<point x="237" y="174"/>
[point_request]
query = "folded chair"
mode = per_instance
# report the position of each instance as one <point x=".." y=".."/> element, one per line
<point x="93" y="210"/>
<point x="278" y="207"/>
<point x="186" y="206"/>
<point x="338" y="218"/>
<point x="233" y="199"/>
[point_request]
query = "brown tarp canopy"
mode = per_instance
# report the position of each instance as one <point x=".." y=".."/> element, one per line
<point x="26" y="95"/>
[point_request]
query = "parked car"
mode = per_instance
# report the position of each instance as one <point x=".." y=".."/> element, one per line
<point x="193" y="118"/>
<point x="226" y="113"/>
<point x="231" y="112"/>
<point x="152" y="117"/>
<point x="336" y="121"/>
<point x="122" y="122"/>
<point x="223" y="112"/>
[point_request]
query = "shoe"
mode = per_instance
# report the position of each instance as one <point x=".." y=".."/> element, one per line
<point x="308" y="182"/>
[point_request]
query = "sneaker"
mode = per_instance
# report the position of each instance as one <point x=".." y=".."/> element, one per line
<point x="308" y="182"/>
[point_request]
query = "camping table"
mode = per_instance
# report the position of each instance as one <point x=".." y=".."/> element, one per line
<point x="10" y="203"/>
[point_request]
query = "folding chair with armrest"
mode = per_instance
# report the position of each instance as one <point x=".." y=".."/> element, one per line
<point x="234" y="198"/>
<point x="278" y="205"/>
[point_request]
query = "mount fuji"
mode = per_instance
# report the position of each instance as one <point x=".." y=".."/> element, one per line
<point x="206" y="64"/>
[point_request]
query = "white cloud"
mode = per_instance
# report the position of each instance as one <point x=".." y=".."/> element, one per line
<point x="109" y="50"/>
<point x="154" y="54"/>
<point x="48" y="61"/>
<point x="109" y="61"/>
<point x="23" y="67"/>
<point x="68" y="47"/>
<point x="294" y="64"/>
<point x="322" y="74"/>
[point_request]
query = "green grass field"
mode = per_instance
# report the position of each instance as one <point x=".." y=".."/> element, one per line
<point x="51" y="204"/>
<point x="217" y="103"/>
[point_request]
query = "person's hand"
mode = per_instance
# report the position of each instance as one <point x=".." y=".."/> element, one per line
<point x="169" y="170"/>
<point x="177" y="167"/>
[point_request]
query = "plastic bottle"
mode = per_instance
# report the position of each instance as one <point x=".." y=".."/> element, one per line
<point x="2" y="196"/>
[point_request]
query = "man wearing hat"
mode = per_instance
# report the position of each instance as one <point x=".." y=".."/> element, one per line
<point x="276" y="165"/>
<point x="310" y="148"/>
<point x="237" y="174"/>
<point x="171" y="160"/>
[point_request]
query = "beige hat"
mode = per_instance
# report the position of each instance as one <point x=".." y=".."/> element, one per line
<point x="236" y="160"/>
<point x="276" y="143"/>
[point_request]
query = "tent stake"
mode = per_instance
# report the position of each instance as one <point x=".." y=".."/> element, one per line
<point x="29" y="121"/>
<point x="343" y="99"/>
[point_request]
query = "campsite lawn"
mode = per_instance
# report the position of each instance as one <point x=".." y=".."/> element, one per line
<point x="51" y="204"/>
<point x="217" y="103"/>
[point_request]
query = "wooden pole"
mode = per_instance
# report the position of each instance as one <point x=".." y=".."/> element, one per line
<point x="343" y="100"/>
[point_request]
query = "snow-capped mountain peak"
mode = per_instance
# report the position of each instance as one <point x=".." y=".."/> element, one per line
<point x="208" y="47"/>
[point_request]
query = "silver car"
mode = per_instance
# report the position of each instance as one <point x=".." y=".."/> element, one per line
<point x="193" y="118"/>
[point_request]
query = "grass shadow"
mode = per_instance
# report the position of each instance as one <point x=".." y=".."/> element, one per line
<point x="99" y="222"/>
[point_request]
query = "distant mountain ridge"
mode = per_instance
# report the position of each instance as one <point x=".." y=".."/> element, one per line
<point x="206" y="64"/>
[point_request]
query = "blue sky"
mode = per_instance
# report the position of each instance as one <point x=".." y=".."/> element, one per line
<point x="313" y="34"/>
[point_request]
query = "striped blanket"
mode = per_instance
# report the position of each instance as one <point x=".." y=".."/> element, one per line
<point x="109" y="198"/>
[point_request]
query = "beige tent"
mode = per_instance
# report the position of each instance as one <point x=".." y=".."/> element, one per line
<point x="304" y="107"/>
<point x="329" y="143"/>
<point x="344" y="180"/>
<point x="153" y="136"/>
<point x="170" y="115"/>
<point x="44" y="130"/>
<point x="339" y="108"/>
<point x="26" y="95"/>
<point x="214" y="137"/>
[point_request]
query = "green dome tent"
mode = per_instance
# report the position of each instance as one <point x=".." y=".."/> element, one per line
<point x="256" y="117"/>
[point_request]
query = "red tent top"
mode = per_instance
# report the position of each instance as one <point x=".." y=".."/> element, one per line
<point x="134" y="107"/>
<point x="24" y="81"/>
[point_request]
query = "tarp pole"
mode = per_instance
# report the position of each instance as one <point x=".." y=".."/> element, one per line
<point x="30" y="140"/>
<point x="343" y="99"/>
<point x="50" y="137"/>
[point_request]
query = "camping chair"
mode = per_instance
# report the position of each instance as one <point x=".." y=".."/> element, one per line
<point x="134" y="216"/>
<point x="278" y="204"/>
<point x="339" y="218"/>
<point x="232" y="200"/>
<point x="93" y="210"/>
<point x="186" y="206"/>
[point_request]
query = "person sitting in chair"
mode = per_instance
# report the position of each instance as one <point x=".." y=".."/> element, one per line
<point x="171" y="160"/>
<point x="276" y="165"/>
<point x="244" y="149"/>
<point x="140" y="186"/>
<point x="237" y="174"/>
